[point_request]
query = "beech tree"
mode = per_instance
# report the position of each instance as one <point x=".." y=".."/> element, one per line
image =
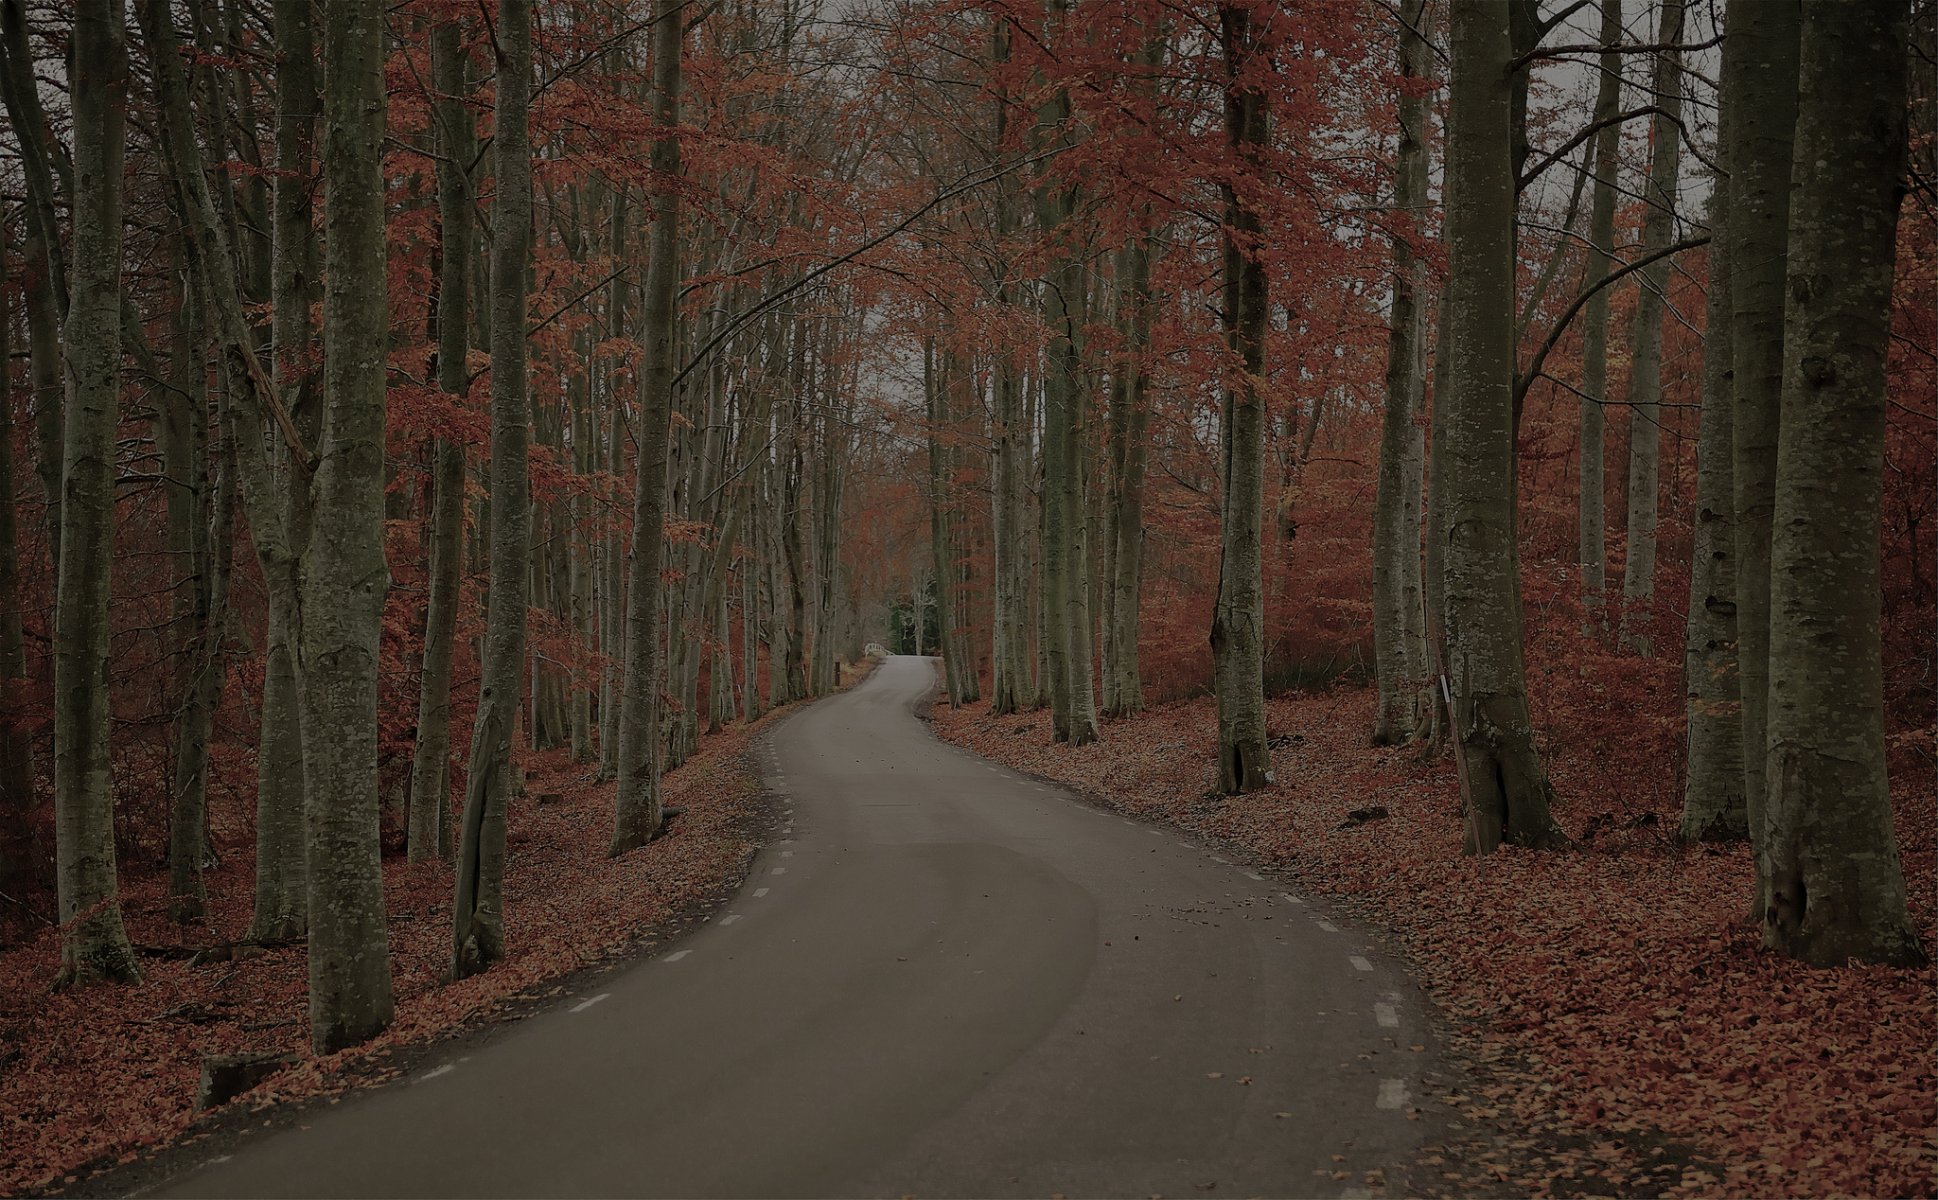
<point x="1238" y="621"/>
<point x="478" y="920"/>
<point x="429" y="829"/>
<point x="1504" y="784"/>
<point x="1760" y="87"/>
<point x="1836" y="889"/>
<point x="1399" y="635"/>
<point x="345" y="576"/>
<point x="96" y="946"/>
<point x="1645" y="376"/>
<point x="637" y="816"/>
<point x="1592" y="532"/>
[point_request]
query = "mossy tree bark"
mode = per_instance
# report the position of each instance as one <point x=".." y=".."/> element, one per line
<point x="1507" y="787"/>
<point x="95" y="945"/>
<point x="281" y="904"/>
<point x="1072" y="707"/>
<point x="1238" y="620"/>
<point x="430" y="790"/>
<point x="345" y="575"/>
<point x="1591" y="515"/>
<point x="1712" y="798"/>
<point x="1836" y="886"/>
<point x="637" y="815"/>
<point x="1760" y="58"/>
<point x="1398" y="640"/>
<point x="478" y="918"/>
<point x="1645" y="344"/>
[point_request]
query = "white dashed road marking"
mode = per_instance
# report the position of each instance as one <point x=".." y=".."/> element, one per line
<point x="1387" y="1016"/>
<point x="589" y="1001"/>
<point x="1359" y="961"/>
<point x="446" y="1069"/>
<point x="778" y="871"/>
<point x="1253" y="875"/>
<point x="729" y="919"/>
<point x="677" y="955"/>
<point x="1328" y="926"/>
<point x="1392" y="1093"/>
<point x="759" y="892"/>
<point x="1290" y="898"/>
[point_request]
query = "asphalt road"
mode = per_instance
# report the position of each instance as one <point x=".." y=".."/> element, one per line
<point x="945" y="980"/>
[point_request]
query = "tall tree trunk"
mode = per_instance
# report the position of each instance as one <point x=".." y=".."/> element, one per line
<point x="95" y="946"/>
<point x="1591" y="523"/>
<point x="210" y="492"/>
<point x="1433" y="553"/>
<point x="942" y="551"/>
<point x="1238" y="621"/>
<point x="1067" y="680"/>
<point x="345" y="576"/>
<point x="637" y="816"/>
<point x="1645" y="378"/>
<point x="1130" y="416"/>
<point x="1760" y="59"/>
<point x="478" y="919"/>
<point x="1396" y="551"/>
<point x="1505" y="784"/>
<point x="16" y="745"/>
<point x="1836" y="888"/>
<point x="282" y="887"/>
<point x="1712" y="798"/>
<point x="430" y="789"/>
<point x="46" y="285"/>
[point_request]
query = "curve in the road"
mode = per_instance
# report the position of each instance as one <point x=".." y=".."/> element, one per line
<point x="944" y="979"/>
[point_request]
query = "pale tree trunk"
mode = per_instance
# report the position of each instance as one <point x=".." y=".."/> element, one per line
<point x="209" y="483"/>
<point x="1238" y="621"/>
<point x="612" y="613"/>
<point x="827" y="553"/>
<point x="1836" y="888"/>
<point x="1433" y="551"/>
<point x="1591" y="519"/>
<point x="963" y="401"/>
<point x="1505" y="784"/>
<point x="1130" y="418"/>
<point x="1645" y="344"/>
<point x="477" y="914"/>
<point x="345" y="576"/>
<point x="46" y="285"/>
<point x="1760" y="85"/>
<point x="1008" y="638"/>
<point x="1067" y="676"/>
<point x="273" y="496"/>
<point x="797" y="631"/>
<point x="16" y="745"/>
<point x="45" y="377"/>
<point x="637" y="806"/>
<point x="1396" y="539"/>
<point x="95" y="946"/>
<point x="282" y="887"/>
<point x="430" y="776"/>
<point x="1712" y="798"/>
<point x="941" y="548"/>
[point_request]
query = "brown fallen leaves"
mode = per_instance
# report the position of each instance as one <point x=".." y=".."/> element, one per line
<point x="97" y="1076"/>
<point x="1606" y="1000"/>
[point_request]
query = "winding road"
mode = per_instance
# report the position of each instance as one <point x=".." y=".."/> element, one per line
<point x="943" y="979"/>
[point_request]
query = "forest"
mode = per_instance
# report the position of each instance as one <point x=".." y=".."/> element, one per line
<point x="1473" y="460"/>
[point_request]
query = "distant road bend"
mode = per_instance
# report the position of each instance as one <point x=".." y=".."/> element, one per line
<point x="944" y="979"/>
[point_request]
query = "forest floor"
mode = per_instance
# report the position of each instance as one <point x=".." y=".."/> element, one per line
<point x="1614" y="1025"/>
<point x="94" y="1079"/>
